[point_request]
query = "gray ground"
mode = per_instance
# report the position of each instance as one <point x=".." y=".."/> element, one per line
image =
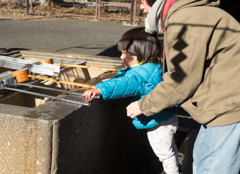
<point x="62" y="35"/>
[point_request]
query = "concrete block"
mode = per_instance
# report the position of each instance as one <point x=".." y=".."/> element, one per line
<point x="63" y="138"/>
<point x="25" y="144"/>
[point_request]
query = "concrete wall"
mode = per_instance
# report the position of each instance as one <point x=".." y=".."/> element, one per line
<point x="63" y="138"/>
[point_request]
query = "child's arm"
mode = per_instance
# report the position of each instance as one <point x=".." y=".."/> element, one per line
<point x="92" y="93"/>
<point x="120" y="87"/>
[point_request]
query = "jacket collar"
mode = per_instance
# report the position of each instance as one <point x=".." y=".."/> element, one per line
<point x="136" y="64"/>
<point x="167" y="6"/>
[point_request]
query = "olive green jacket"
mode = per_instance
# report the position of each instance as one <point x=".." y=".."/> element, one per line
<point x="202" y="47"/>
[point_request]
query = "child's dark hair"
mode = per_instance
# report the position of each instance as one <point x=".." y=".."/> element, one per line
<point x="149" y="2"/>
<point x="141" y="44"/>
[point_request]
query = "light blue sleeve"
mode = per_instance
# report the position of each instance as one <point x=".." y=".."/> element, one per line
<point x="124" y="85"/>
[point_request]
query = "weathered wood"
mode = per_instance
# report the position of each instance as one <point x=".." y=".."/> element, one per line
<point x="50" y="61"/>
<point x="65" y="82"/>
<point x="84" y="66"/>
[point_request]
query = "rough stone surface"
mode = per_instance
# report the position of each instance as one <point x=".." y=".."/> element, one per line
<point x="25" y="145"/>
<point x="64" y="138"/>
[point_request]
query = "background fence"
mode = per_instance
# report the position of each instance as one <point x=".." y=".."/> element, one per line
<point x="125" y="10"/>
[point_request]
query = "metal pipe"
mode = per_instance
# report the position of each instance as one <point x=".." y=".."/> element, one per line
<point x="48" y="96"/>
<point x="27" y="6"/>
<point x="51" y="89"/>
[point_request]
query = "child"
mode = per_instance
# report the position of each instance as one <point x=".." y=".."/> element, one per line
<point x="141" y="55"/>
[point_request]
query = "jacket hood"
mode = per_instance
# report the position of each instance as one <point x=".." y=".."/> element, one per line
<point x="181" y="4"/>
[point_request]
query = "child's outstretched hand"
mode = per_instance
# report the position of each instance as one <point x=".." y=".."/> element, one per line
<point x="92" y="93"/>
<point x="105" y="79"/>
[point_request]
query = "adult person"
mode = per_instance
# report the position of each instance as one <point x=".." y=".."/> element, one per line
<point x="202" y="54"/>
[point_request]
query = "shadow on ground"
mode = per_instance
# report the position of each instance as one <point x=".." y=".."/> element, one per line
<point x="111" y="52"/>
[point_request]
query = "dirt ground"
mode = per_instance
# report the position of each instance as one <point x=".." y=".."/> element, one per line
<point x="55" y="11"/>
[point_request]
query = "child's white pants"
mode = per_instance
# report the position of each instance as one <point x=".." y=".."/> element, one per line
<point x="162" y="141"/>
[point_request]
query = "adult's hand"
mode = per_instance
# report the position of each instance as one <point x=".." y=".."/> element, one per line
<point x="133" y="110"/>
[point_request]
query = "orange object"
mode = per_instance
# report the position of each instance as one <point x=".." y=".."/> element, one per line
<point x="49" y="61"/>
<point x="21" y="75"/>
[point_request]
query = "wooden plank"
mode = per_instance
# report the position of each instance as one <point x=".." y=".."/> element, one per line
<point x="115" y="4"/>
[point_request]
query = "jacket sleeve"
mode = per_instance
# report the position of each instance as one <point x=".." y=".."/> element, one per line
<point x="185" y="57"/>
<point x="124" y="85"/>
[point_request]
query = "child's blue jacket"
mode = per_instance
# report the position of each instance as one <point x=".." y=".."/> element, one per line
<point x="136" y="82"/>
